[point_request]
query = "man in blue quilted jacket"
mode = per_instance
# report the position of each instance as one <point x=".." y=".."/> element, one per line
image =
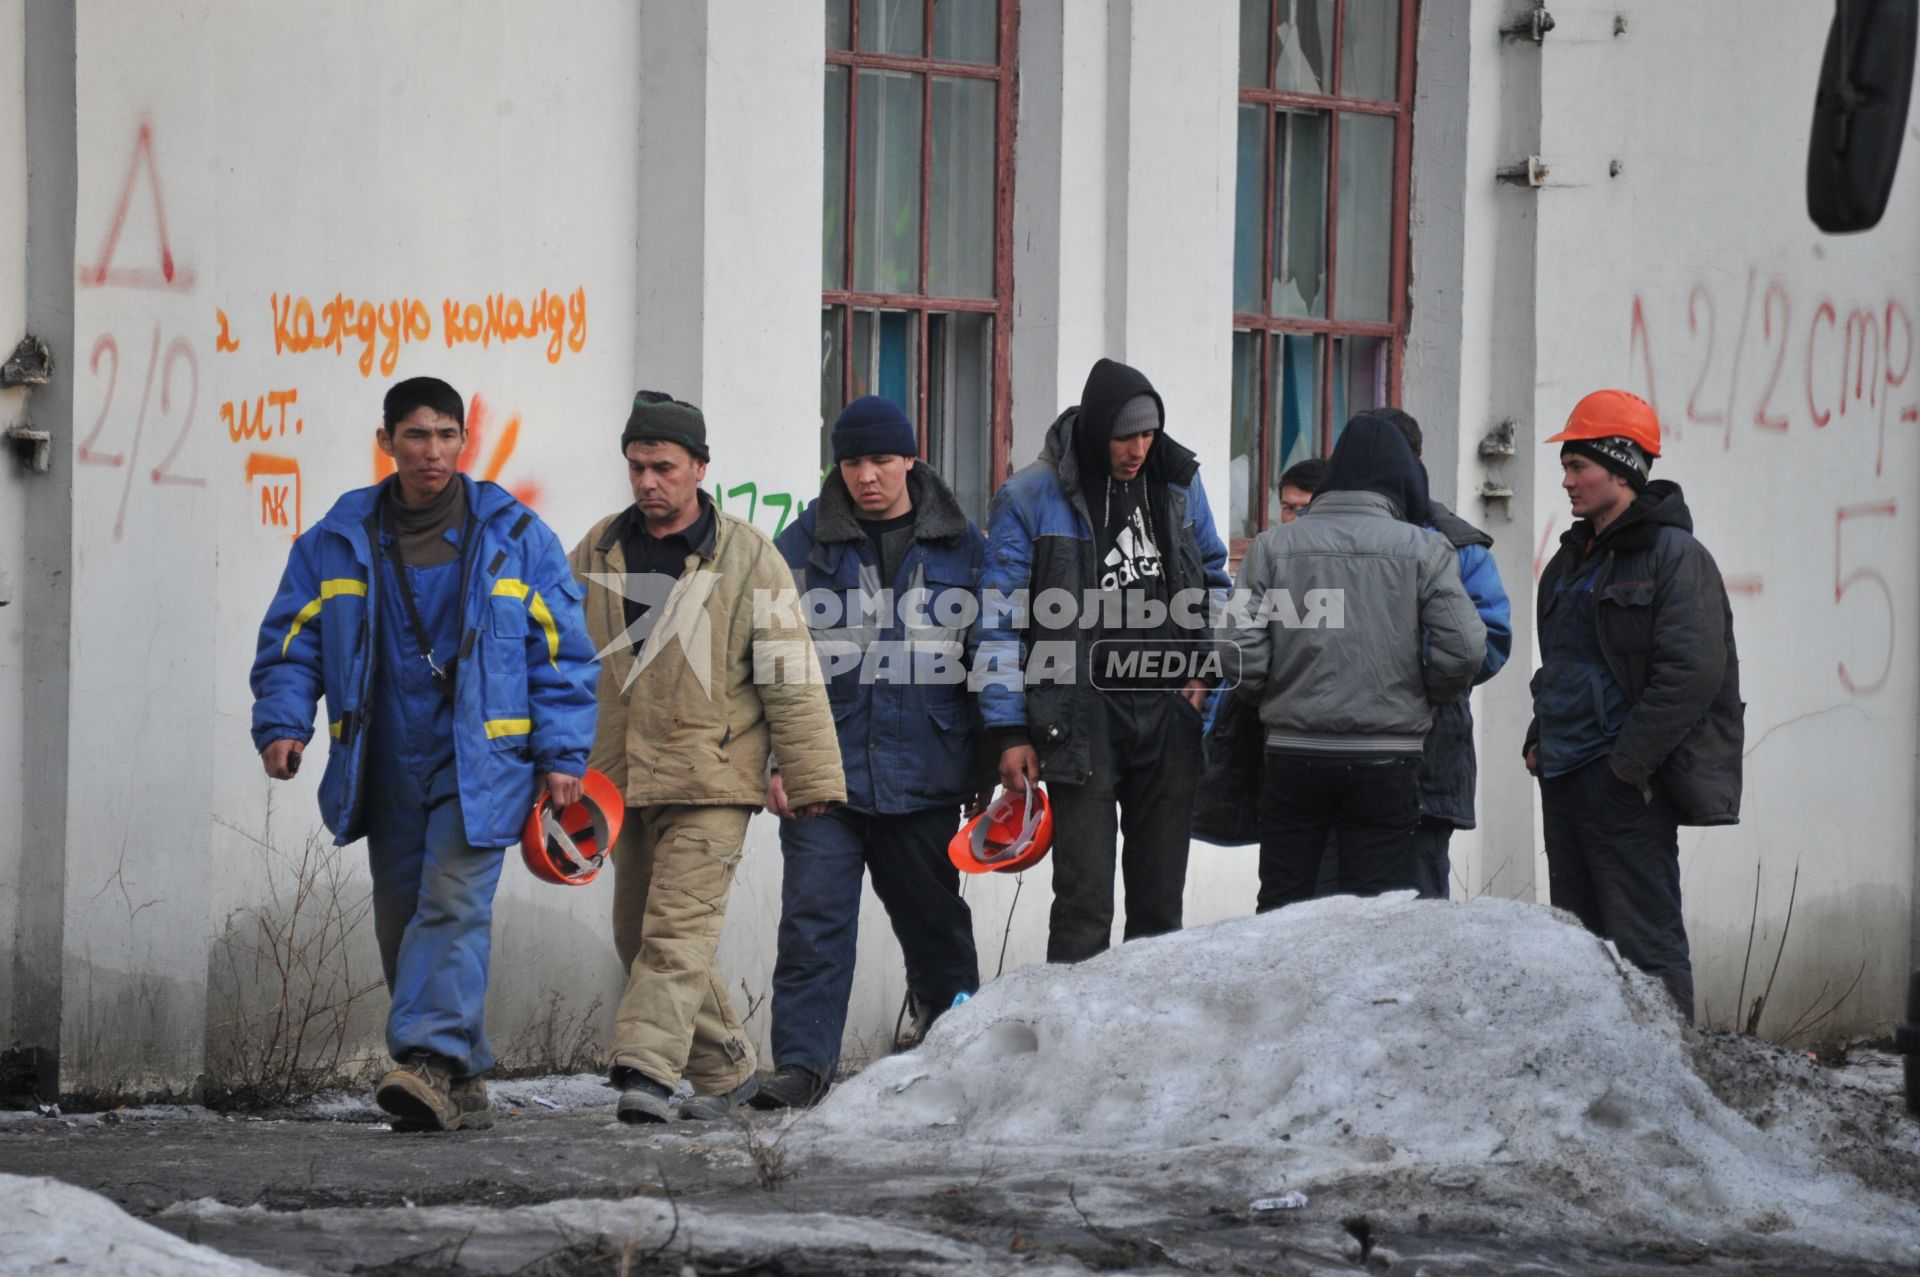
<point x="438" y="617"/>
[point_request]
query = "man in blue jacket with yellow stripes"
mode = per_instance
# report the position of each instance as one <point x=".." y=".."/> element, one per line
<point x="439" y="618"/>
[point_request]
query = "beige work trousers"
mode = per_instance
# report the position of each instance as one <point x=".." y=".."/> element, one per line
<point x="672" y="871"/>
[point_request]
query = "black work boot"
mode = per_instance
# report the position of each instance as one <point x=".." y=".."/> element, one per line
<point x="417" y="1095"/>
<point x="716" y="1108"/>
<point x="790" y="1087"/>
<point x="641" y="1098"/>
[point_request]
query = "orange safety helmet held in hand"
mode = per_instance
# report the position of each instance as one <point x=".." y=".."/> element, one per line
<point x="1012" y="834"/>
<point x="569" y="846"/>
<point x="1607" y="414"/>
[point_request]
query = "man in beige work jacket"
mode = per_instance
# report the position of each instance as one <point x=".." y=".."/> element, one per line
<point x="697" y="687"/>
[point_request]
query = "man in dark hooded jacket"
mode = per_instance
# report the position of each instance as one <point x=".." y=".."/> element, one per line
<point x="1353" y="628"/>
<point x="1112" y="516"/>
<point x="1638" y="723"/>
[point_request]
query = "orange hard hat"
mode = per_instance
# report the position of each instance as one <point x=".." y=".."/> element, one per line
<point x="1608" y="414"/>
<point x="569" y="846"/>
<point x="1015" y="832"/>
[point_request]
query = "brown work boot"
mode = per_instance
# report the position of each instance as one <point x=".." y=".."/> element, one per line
<point x="417" y="1095"/>
<point x="475" y="1105"/>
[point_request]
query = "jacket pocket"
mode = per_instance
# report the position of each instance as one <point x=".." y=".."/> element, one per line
<point x="1628" y="623"/>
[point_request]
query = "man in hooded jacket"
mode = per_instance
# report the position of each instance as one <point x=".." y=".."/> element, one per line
<point x="1111" y="516"/>
<point x="1353" y="629"/>
<point x="1638" y="724"/>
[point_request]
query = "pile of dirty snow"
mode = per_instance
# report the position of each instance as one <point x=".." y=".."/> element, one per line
<point x="47" y="1226"/>
<point x="1489" y="1061"/>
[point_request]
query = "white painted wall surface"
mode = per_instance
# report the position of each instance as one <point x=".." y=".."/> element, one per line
<point x="1695" y="278"/>
<point x="13" y="480"/>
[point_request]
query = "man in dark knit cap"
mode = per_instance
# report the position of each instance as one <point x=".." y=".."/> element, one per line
<point x="700" y="686"/>
<point x="887" y="539"/>
<point x="1104" y="708"/>
<point x="1354" y="629"/>
<point x="1638" y="726"/>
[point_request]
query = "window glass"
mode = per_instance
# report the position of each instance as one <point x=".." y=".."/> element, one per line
<point x="886" y="248"/>
<point x="1359" y="377"/>
<point x="833" y="320"/>
<point x="1243" y="437"/>
<point x="1304" y="36"/>
<point x="1366" y="218"/>
<point x="966" y="30"/>
<point x="892" y="26"/>
<point x="960" y="198"/>
<point x="833" y="226"/>
<point x="1294" y="412"/>
<point x="839" y="24"/>
<point x="886" y="356"/>
<point x="1370" y="50"/>
<point x="1249" y="206"/>
<point x="960" y="403"/>
<point x="1253" y="44"/>
<point x="1299" y="250"/>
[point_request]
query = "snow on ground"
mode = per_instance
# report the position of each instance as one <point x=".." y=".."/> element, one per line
<point x="1490" y="1058"/>
<point x="554" y="1092"/>
<point x="47" y="1226"/>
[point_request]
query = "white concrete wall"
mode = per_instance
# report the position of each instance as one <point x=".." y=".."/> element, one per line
<point x="1695" y="278"/>
<point x="13" y="480"/>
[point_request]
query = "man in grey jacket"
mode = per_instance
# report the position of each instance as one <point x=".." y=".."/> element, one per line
<point x="1352" y="626"/>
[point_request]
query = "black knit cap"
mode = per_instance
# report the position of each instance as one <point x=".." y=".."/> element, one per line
<point x="658" y="417"/>
<point x="1617" y="453"/>
<point x="422" y="392"/>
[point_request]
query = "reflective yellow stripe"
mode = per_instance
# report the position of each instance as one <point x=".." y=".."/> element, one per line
<point x="537" y="607"/>
<point x="333" y="729"/>
<point x="498" y="727"/>
<point x="328" y="590"/>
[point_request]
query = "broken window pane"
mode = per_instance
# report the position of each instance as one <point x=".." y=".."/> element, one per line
<point x="1305" y="32"/>
<point x="961" y="194"/>
<point x="960" y="405"/>
<point x="1243" y="438"/>
<point x="892" y="26"/>
<point x="1294" y="423"/>
<point x="833" y="230"/>
<point x="1366" y="218"/>
<point x="1370" y="50"/>
<point x="1299" y="247"/>
<point x="886" y="248"/>
<point x="886" y="356"/>
<point x="966" y="30"/>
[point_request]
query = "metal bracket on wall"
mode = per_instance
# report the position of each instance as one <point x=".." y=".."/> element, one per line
<point x="1495" y="447"/>
<point x="1532" y="25"/>
<point x="31" y="364"/>
<point x="33" y="447"/>
<point x="1530" y="172"/>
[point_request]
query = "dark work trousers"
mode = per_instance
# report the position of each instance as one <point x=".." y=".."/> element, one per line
<point x="1613" y="861"/>
<point x="1432" y="868"/>
<point x="826" y="859"/>
<point x="1146" y="757"/>
<point x="1370" y="807"/>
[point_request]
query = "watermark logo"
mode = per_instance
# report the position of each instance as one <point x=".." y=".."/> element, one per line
<point x="1145" y="665"/>
<point x="663" y="619"/>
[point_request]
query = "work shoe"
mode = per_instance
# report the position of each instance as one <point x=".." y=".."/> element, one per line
<point x="790" y="1087"/>
<point x="475" y="1105"/>
<point x="641" y="1098"/>
<point x="417" y="1095"/>
<point x="717" y="1108"/>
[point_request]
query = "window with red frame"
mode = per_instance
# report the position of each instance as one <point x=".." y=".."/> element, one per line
<point x="917" y="252"/>
<point x="1320" y="231"/>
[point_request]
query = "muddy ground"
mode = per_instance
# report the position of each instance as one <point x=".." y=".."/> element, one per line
<point x="552" y="1192"/>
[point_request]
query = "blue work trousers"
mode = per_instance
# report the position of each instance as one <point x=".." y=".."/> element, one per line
<point x="432" y="913"/>
<point x="826" y="859"/>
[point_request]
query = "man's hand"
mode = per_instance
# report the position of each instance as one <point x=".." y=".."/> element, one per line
<point x="1533" y="760"/>
<point x="811" y="810"/>
<point x="1196" y="693"/>
<point x="777" y="797"/>
<point x="282" y="758"/>
<point x="1019" y="764"/>
<point x="563" y="790"/>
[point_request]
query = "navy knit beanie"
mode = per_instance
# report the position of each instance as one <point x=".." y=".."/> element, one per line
<point x="871" y="426"/>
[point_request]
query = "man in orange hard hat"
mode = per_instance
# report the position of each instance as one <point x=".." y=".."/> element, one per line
<point x="1637" y="725"/>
